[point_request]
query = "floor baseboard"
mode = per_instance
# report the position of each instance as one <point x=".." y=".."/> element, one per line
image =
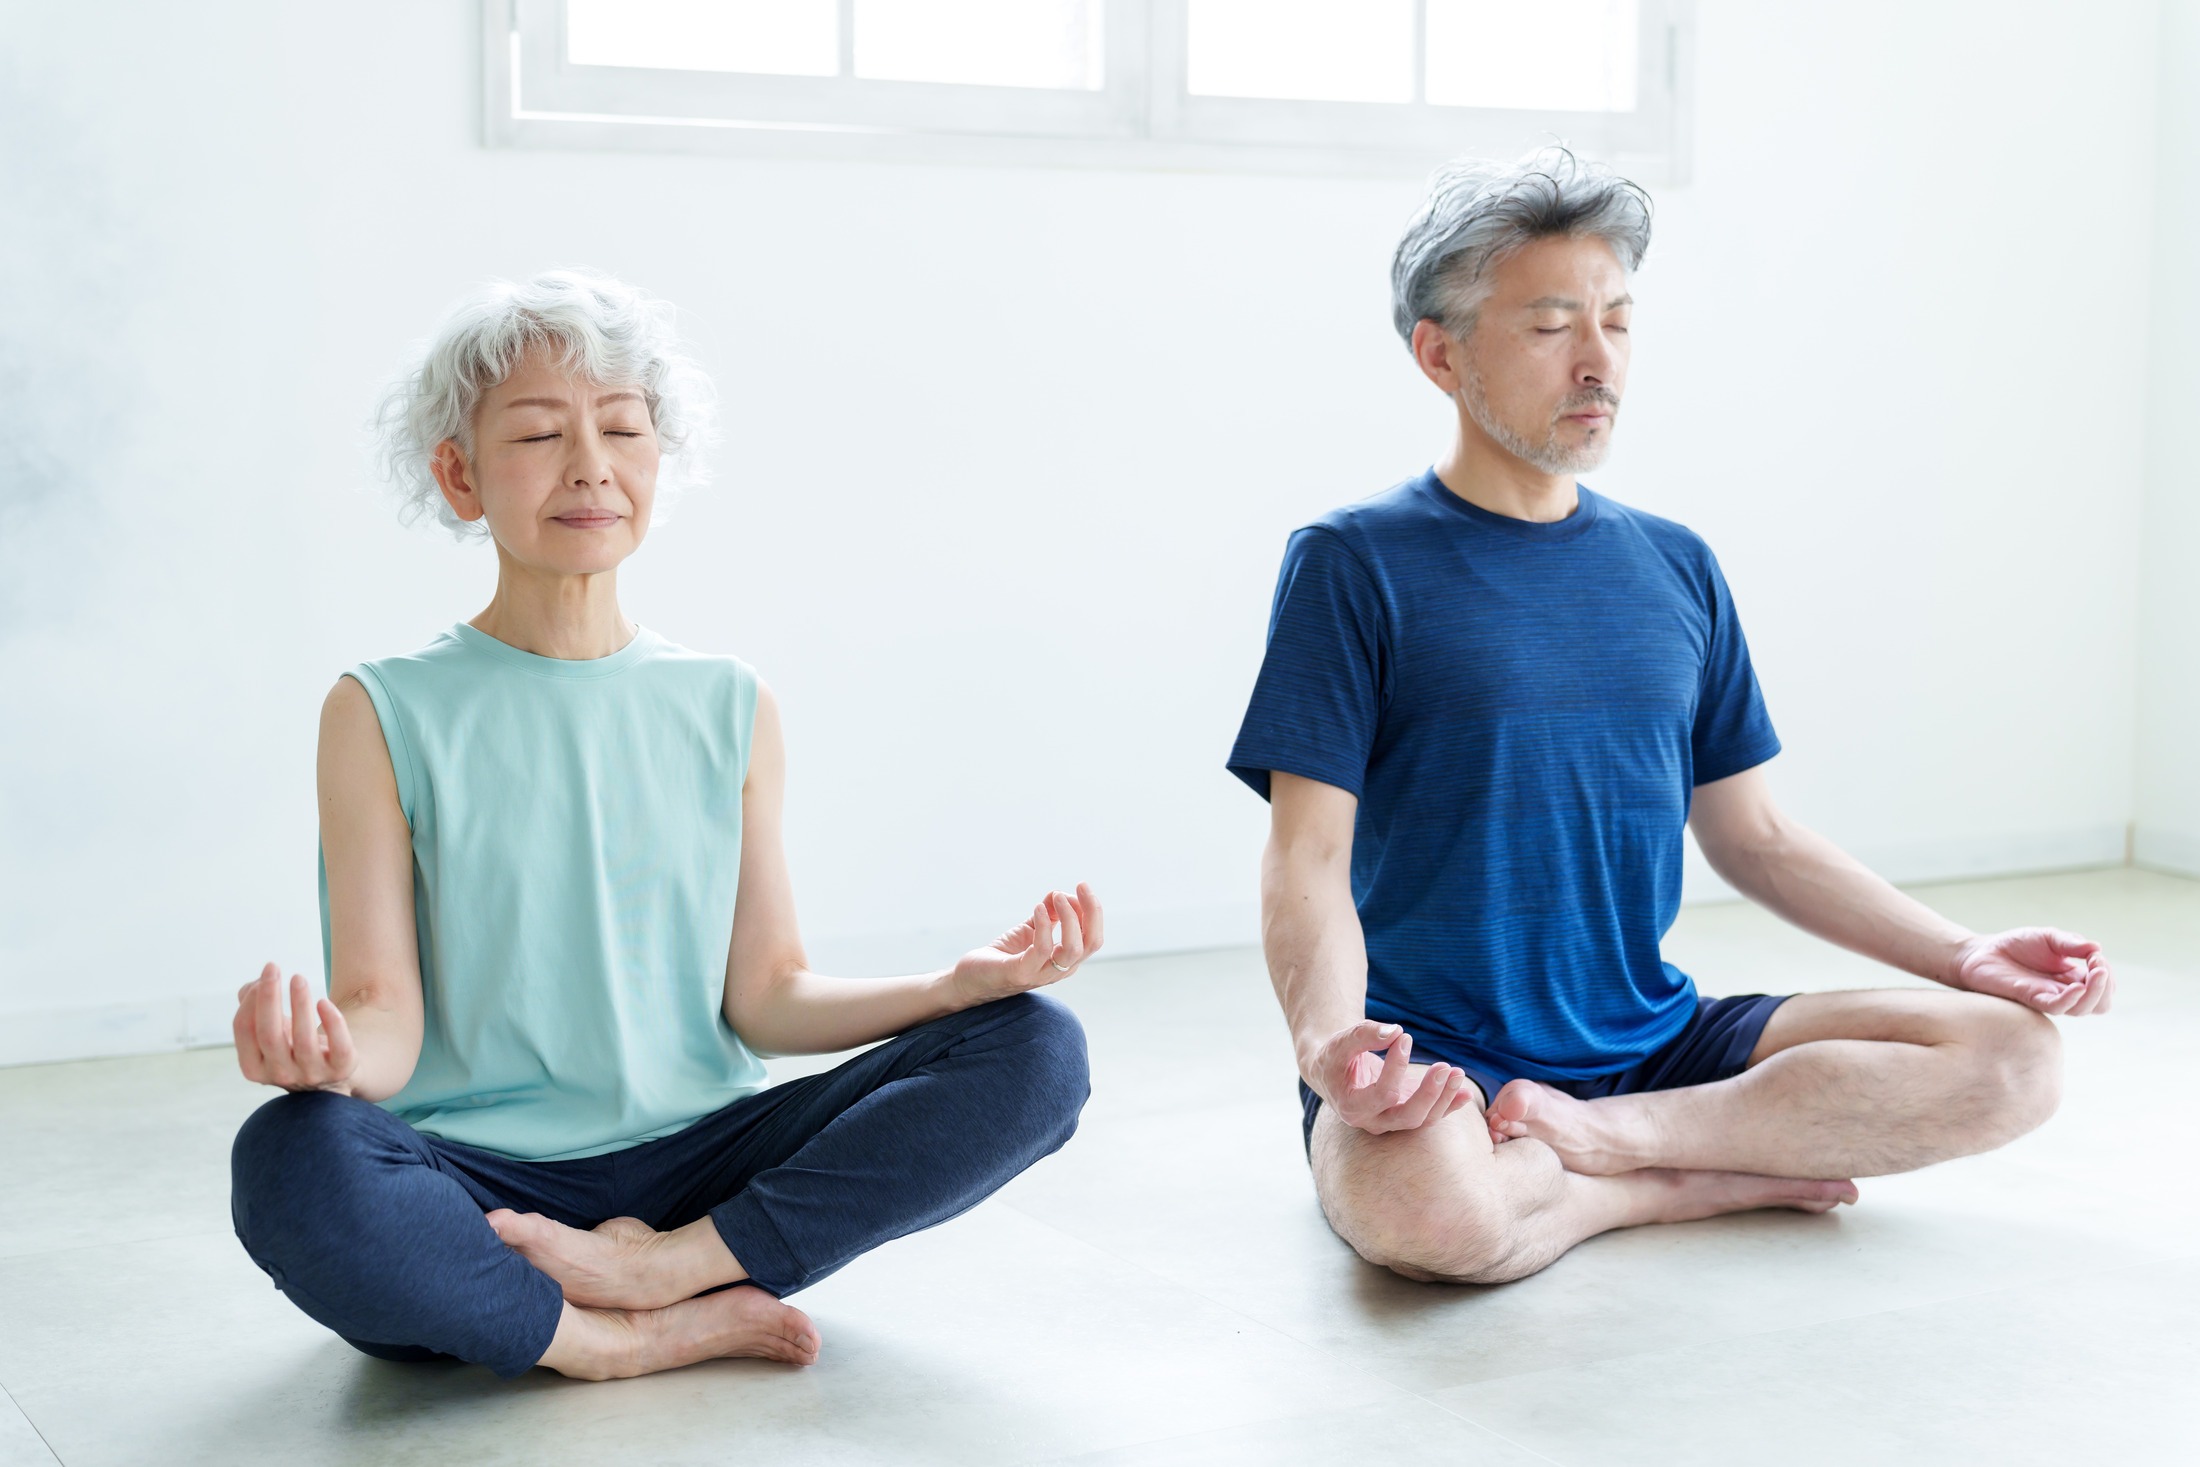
<point x="2159" y="848"/>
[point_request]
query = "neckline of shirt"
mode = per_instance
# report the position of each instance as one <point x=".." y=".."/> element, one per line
<point x="638" y="646"/>
<point x="1586" y="508"/>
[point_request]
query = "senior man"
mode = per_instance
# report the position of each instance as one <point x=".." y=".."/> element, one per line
<point x="1491" y="701"/>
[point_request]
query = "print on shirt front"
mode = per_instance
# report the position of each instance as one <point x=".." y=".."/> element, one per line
<point x="1522" y="710"/>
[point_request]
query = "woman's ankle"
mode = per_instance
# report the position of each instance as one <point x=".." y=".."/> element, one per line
<point x="696" y="1256"/>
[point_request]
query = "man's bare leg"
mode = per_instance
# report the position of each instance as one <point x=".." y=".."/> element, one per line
<point x="1443" y="1203"/>
<point x="1841" y="1085"/>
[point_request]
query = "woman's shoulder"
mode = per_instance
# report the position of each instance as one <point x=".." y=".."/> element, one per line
<point x="674" y="659"/>
<point x="716" y="685"/>
<point x="442" y="652"/>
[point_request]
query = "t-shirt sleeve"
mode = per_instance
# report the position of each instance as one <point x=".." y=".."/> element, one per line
<point x="1733" y="732"/>
<point x="1321" y="684"/>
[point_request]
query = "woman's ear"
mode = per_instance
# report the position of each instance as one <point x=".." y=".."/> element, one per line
<point x="454" y="476"/>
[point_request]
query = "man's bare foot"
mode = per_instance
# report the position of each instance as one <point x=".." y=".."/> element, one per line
<point x="1593" y="1137"/>
<point x="1670" y="1195"/>
<point x="1666" y="1194"/>
<point x="611" y="1344"/>
<point x="623" y="1263"/>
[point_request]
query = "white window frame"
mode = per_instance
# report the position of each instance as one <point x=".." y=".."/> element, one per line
<point x="1140" y="118"/>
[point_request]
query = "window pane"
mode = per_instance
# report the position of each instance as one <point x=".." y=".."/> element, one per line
<point x="992" y="43"/>
<point x="1554" y="55"/>
<point x="787" y="37"/>
<point x="1314" y="50"/>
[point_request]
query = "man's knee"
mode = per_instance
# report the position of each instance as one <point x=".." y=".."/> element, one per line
<point x="1451" y="1242"/>
<point x="2020" y="1070"/>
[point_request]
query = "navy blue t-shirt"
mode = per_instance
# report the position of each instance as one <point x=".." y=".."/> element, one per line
<point x="1523" y="711"/>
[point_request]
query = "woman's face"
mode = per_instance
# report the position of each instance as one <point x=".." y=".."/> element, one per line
<point x="563" y="469"/>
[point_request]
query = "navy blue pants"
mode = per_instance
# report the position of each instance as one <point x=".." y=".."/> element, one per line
<point x="377" y="1230"/>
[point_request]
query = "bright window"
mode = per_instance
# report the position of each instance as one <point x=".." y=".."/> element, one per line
<point x="1333" y="85"/>
<point x="995" y="43"/>
<point x="769" y="37"/>
<point x="1303" y="50"/>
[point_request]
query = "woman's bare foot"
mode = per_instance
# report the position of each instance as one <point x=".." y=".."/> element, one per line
<point x="1665" y="1194"/>
<point x="612" y="1344"/>
<point x="623" y="1263"/>
<point x="1593" y="1137"/>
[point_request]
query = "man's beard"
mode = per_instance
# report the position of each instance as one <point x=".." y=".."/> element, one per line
<point x="1548" y="456"/>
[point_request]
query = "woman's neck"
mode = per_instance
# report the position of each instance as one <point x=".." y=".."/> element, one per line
<point x="573" y="618"/>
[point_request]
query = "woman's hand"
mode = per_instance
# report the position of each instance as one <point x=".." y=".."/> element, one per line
<point x="291" y="1050"/>
<point x="1028" y="955"/>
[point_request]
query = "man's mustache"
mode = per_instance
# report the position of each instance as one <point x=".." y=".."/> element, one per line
<point x="1594" y="397"/>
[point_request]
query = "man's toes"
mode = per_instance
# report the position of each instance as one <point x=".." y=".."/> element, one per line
<point x="1826" y="1196"/>
<point x="1511" y="1110"/>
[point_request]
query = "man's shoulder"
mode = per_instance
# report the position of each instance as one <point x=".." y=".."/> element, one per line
<point x="1367" y="526"/>
<point x="1669" y="537"/>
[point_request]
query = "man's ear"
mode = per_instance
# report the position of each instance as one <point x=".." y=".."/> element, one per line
<point x="1439" y="355"/>
<point x="455" y="477"/>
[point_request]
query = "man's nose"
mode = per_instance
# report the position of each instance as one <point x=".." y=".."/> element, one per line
<point x="1598" y="361"/>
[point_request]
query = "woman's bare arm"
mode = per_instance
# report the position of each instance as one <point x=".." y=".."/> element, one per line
<point x="778" y="1006"/>
<point x="364" y="1039"/>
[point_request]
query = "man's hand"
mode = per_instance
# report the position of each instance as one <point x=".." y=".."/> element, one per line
<point x="291" y="1051"/>
<point x="1028" y="956"/>
<point x="1378" y="1094"/>
<point x="2040" y="967"/>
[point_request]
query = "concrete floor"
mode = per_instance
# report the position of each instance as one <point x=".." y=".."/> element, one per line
<point x="1165" y="1290"/>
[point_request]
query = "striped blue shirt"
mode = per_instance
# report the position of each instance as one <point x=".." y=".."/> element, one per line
<point x="1522" y="710"/>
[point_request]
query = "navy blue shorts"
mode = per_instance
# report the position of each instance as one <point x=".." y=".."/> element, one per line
<point x="1714" y="1045"/>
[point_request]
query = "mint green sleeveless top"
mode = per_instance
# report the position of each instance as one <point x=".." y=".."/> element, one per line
<point x="576" y="835"/>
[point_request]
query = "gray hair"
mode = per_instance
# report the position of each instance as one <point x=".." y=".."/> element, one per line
<point x="1480" y="211"/>
<point x="601" y="329"/>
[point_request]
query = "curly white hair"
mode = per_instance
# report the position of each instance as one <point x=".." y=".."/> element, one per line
<point x="602" y="329"/>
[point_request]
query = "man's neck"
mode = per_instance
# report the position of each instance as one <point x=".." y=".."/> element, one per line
<point x="1488" y="477"/>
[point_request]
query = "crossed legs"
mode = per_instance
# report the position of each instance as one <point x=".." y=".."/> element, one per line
<point x="1841" y="1085"/>
<point x="412" y="1248"/>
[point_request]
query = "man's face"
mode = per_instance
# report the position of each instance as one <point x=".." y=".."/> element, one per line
<point x="1542" y="372"/>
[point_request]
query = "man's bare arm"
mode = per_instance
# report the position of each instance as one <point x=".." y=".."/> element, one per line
<point x="1317" y="959"/>
<point x="1797" y="873"/>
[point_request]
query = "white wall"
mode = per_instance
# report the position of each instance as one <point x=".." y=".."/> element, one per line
<point x="1012" y="455"/>
<point x="2167" y="821"/>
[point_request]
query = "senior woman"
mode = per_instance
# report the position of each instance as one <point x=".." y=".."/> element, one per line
<point x="528" y="1125"/>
